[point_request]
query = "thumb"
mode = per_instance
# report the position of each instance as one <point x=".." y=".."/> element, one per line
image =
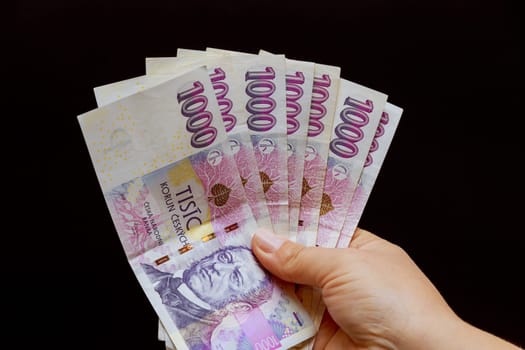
<point x="294" y="262"/>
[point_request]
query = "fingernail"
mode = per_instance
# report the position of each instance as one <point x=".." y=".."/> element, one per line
<point x="268" y="241"/>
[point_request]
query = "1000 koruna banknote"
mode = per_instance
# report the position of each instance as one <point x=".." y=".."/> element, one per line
<point x="159" y="70"/>
<point x="299" y="83"/>
<point x="167" y="172"/>
<point x="374" y="160"/>
<point x="263" y="94"/>
<point x="322" y="107"/>
<point x="356" y="119"/>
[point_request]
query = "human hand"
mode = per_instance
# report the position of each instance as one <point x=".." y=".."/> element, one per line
<point x="375" y="295"/>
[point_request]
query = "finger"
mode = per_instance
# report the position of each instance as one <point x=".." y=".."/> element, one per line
<point x="327" y="330"/>
<point x="340" y="340"/>
<point x="294" y="262"/>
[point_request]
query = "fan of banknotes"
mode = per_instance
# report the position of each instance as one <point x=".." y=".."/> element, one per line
<point x="208" y="146"/>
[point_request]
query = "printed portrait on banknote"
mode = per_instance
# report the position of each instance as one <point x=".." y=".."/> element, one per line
<point x="209" y="299"/>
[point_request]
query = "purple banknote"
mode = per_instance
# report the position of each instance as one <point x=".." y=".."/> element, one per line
<point x="169" y="178"/>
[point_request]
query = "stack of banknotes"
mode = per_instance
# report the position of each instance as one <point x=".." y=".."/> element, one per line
<point x="208" y="146"/>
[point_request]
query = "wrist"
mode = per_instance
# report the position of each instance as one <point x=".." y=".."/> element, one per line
<point x="452" y="333"/>
<point x="435" y="332"/>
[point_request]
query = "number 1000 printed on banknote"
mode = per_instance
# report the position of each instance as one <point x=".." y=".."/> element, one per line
<point x="170" y="181"/>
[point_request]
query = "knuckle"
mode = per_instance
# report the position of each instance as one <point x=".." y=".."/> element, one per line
<point x="396" y="247"/>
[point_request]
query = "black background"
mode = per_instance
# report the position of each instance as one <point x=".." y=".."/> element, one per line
<point x="449" y="191"/>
